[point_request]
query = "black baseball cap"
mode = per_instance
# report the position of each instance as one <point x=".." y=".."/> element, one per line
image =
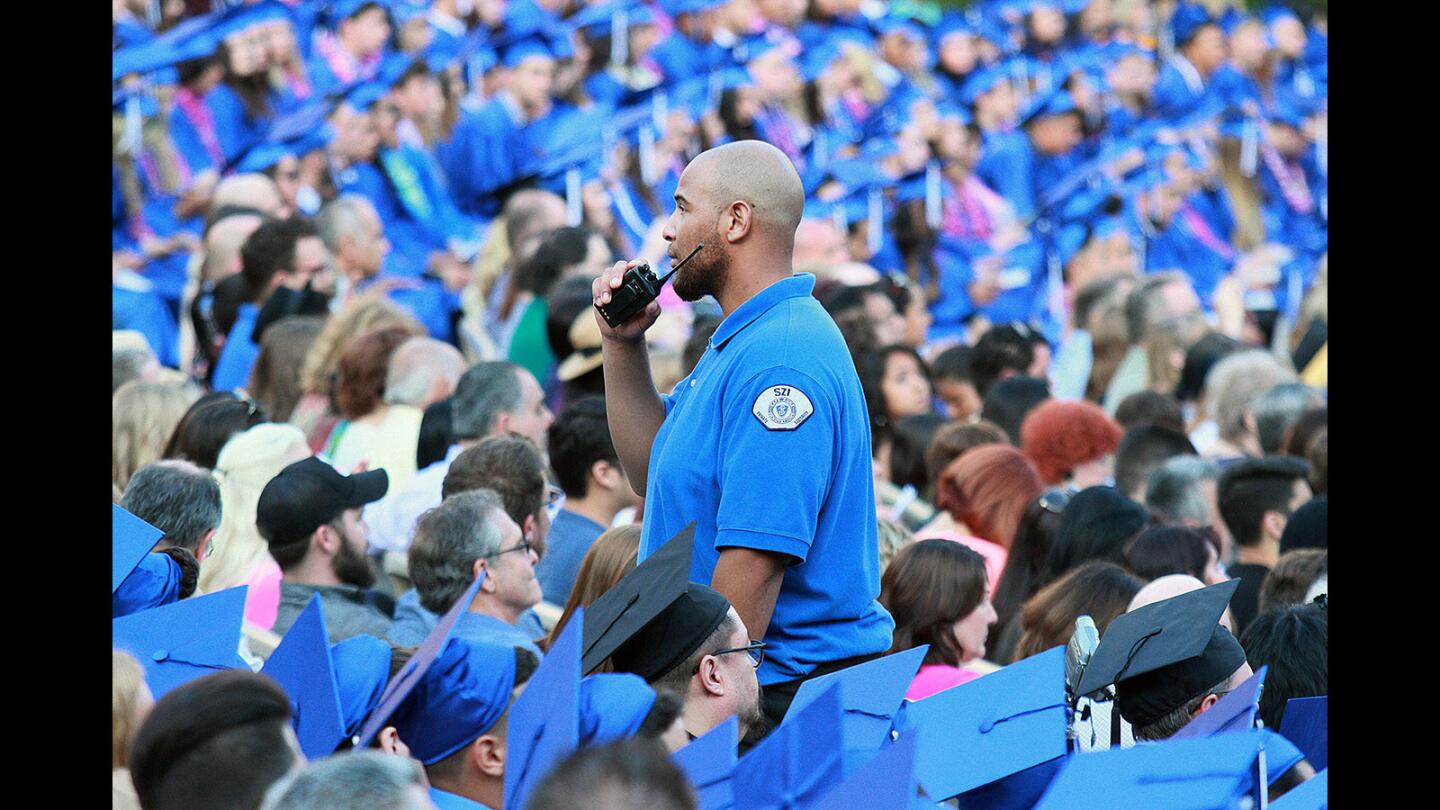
<point x="309" y="494"/>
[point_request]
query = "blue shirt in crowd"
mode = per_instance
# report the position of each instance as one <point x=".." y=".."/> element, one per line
<point x="766" y="446"/>
<point x="569" y="539"/>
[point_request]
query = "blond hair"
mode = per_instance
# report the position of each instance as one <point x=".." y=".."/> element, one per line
<point x="1236" y="382"/>
<point x="245" y="465"/>
<point x="142" y="417"/>
<point x="127" y="688"/>
<point x="359" y="316"/>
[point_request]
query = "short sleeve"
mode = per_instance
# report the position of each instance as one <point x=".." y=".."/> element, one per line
<point x="779" y="437"/>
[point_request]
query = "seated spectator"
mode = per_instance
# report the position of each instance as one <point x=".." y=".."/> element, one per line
<point x="239" y="555"/>
<point x="1171" y="585"/>
<point x="1002" y="352"/>
<point x="985" y="492"/>
<point x="1309" y="527"/>
<point x="1010" y="400"/>
<point x="1292" y="577"/>
<point x="1096" y="525"/>
<point x="936" y="591"/>
<point x="953" y="439"/>
<point x="1150" y="408"/>
<point x="955" y="385"/>
<point x="1301" y="436"/>
<point x="1142" y="450"/>
<point x="1100" y="590"/>
<point x="130" y="704"/>
<point x="208" y="425"/>
<point x="435" y="436"/>
<point x="142" y="417"/>
<point x="1277" y="410"/>
<point x="422" y="371"/>
<point x="609" y="559"/>
<point x="1020" y="579"/>
<point x="131" y="358"/>
<point x="310" y="515"/>
<point x="179" y="499"/>
<point x="1183" y="491"/>
<point x="1294" y="641"/>
<point x="363" y="780"/>
<point x="372" y="434"/>
<point x="467" y="534"/>
<point x="596" y="489"/>
<point x="896" y="384"/>
<point x="220" y="741"/>
<point x="1231" y="391"/>
<point x="275" y="379"/>
<point x="1071" y="443"/>
<point x="1257" y="498"/>
<point x="1162" y="550"/>
<point x="618" y="776"/>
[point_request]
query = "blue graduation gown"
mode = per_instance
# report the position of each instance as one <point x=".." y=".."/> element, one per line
<point x="488" y="150"/>
<point x="1174" y="98"/>
<point x="232" y="370"/>
<point x="147" y="314"/>
<point x="1007" y="165"/>
<point x="235" y="128"/>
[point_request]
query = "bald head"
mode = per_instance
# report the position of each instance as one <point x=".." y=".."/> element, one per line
<point x="222" y="245"/>
<point x="758" y="174"/>
<point x="529" y="212"/>
<point x="422" y="371"/>
<point x="249" y="191"/>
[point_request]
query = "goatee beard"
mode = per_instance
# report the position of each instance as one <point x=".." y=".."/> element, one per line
<point x="705" y="274"/>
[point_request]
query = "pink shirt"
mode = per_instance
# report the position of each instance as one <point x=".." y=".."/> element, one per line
<point x="934" y="678"/>
<point x="263" y="599"/>
<point x="993" y="553"/>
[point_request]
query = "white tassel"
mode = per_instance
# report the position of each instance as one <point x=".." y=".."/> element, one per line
<point x="647" y="156"/>
<point x="574" y="206"/>
<point x="875" y="215"/>
<point x="619" y="38"/>
<point x="932" y="194"/>
<point x="1249" y="147"/>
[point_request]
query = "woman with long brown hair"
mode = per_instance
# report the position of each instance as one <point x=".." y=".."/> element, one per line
<point x="936" y="591"/>
<point x="613" y="555"/>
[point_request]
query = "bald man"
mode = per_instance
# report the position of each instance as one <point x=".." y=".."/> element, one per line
<point x="250" y="191"/>
<point x="766" y="444"/>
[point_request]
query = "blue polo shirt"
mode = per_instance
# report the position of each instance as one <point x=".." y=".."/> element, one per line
<point x="766" y="445"/>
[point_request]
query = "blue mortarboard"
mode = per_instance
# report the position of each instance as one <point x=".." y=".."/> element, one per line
<point x="545" y="720"/>
<point x="886" y="782"/>
<point x="1312" y="794"/>
<point x="240" y="17"/>
<point x="155" y="581"/>
<point x="1306" y="722"/>
<point x="870" y="696"/>
<point x="186" y="640"/>
<point x="462" y="694"/>
<point x="409" y="676"/>
<point x="612" y="706"/>
<point x="304" y="121"/>
<point x="1234" y="712"/>
<point x="189" y="39"/>
<point x="815" y="61"/>
<point x="130" y="540"/>
<point x="1188" y="19"/>
<point x="1276" y="12"/>
<point x="1280" y="755"/>
<point x="1209" y="772"/>
<point x="302" y="667"/>
<point x="345" y="9"/>
<point x="602" y="19"/>
<point x="1285" y="110"/>
<point x="796" y="764"/>
<point x="363" y="96"/>
<point x="951" y="23"/>
<point x="362" y="668"/>
<point x="894" y="24"/>
<point x="709" y="763"/>
<point x="678" y="7"/>
<point x="1056" y="102"/>
<point x="1001" y="735"/>
<point x="754" y="47"/>
<point x="983" y="81"/>
<point x="263" y="157"/>
<point x="520" y="50"/>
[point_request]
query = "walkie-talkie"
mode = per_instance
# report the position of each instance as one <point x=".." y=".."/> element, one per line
<point x="639" y="288"/>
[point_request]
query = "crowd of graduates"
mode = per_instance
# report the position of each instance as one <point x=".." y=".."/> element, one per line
<point x="1077" y="252"/>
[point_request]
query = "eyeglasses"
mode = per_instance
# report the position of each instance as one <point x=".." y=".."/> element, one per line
<point x="1054" y="501"/>
<point x="554" y="500"/>
<point x="523" y="546"/>
<point x="755" y="649"/>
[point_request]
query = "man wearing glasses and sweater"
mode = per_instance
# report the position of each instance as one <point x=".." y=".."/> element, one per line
<point x="468" y="534"/>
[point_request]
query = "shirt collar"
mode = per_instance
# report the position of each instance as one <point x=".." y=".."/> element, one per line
<point x="795" y="286"/>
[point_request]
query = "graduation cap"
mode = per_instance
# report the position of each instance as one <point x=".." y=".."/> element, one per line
<point x="362" y="668"/>
<point x="303" y="668"/>
<point x="1163" y="654"/>
<point x="186" y="640"/>
<point x="886" y="782"/>
<point x="709" y="763"/>
<point x="155" y="581"/>
<point x="658" y="608"/>
<point x="341" y="10"/>
<point x="983" y="81"/>
<point x="237" y="18"/>
<point x="518" y="50"/>
<point x="796" y="764"/>
<point x="677" y="7"/>
<point x="1234" y="712"/>
<point x="1312" y="794"/>
<point x="1208" y="772"/>
<point x="545" y="719"/>
<point x="263" y="156"/>
<point x="462" y="695"/>
<point x="998" y="739"/>
<point x="409" y="676"/>
<point x="1056" y="102"/>
<point x="1188" y="19"/>
<point x="871" y="694"/>
<point x="612" y="706"/>
<point x="189" y="39"/>
<point x="130" y="540"/>
<point x="1306" y="722"/>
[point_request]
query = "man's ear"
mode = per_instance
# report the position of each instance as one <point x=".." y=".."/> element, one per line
<point x="1210" y="700"/>
<point x="481" y="564"/>
<point x="203" y="548"/>
<point x="709" y="675"/>
<point x="738" y="220"/>
<point x="502" y="423"/>
<point x="1273" y="523"/>
<point x="606" y="475"/>
<point x="325" y="540"/>
<point x="487" y="755"/>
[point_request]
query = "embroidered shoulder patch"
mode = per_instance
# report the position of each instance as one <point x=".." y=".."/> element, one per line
<point x="782" y="407"/>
